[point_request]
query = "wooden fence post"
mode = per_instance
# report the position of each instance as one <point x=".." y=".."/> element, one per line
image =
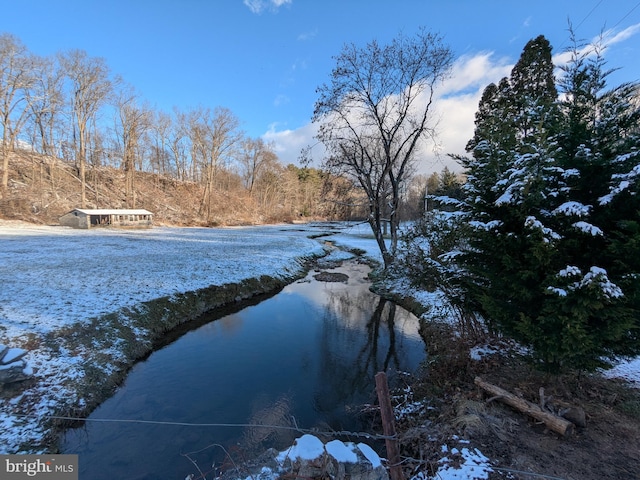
<point x="388" y="426"/>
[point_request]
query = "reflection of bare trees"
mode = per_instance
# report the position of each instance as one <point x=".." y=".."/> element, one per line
<point x="368" y="355"/>
<point x="367" y="325"/>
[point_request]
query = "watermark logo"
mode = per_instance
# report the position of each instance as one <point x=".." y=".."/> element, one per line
<point x="49" y="467"/>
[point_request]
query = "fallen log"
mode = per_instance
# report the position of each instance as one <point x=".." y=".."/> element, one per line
<point x="553" y="422"/>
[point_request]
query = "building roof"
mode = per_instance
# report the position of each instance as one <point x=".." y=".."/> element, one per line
<point x="112" y="211"/>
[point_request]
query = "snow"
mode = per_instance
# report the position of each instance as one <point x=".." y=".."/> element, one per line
<point x="570" y="172"/>
<point x="310" y="447"/>
<point x="356" y="236"/>
<point x="72" y="275"/>
<point x="341" y="452"/>
<point x="535" y="224"/>
<point x="628" y="370"/>
<point x="588" y="228"/>
<point x="480" y="351"/>
<point x="570" y="271"/>
<point x="13" y="354"/>
<point x="444" y="200"/>
<point x="561" y="292"/>
<point x="572" y="209"/>
<point x="474" y="466"/>
<point x="369" y="454"/>
<point x="625" y="180"/>
<point x="596" y="276"/>
<point x="488" y="226"/>
<point x="504" y="199"/>
<point x="307" y="447"/>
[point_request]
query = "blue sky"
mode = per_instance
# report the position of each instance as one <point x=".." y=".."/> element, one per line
<point x="264" y="59"/>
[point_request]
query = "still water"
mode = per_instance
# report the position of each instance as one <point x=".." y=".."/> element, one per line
<point x="306" y="355"/>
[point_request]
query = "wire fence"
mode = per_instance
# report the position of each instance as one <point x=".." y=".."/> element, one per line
<point x="427" y="465"/>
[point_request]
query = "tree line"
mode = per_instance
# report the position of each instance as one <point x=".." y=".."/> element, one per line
<point x="71" y="106"/>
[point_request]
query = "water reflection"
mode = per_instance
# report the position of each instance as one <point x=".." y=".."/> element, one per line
<point x="308" y="353"/>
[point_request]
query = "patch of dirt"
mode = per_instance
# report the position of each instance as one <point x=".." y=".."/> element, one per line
<point x="518" y="446"/>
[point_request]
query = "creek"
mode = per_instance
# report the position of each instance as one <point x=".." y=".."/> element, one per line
<point x="304" y="357"/>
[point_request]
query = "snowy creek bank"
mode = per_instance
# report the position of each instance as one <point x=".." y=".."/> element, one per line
<point x="106" y="347"/>
<point x="85" y="306"/>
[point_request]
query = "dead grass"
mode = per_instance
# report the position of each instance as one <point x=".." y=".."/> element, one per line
<point x="607" y="448"/>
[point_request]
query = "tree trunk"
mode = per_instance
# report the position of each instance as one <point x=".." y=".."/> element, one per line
<point x="4" y="189"/>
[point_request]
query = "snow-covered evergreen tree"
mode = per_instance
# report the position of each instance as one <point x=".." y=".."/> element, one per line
<point x="597" y="285"/>
<point x="552" y="257"/>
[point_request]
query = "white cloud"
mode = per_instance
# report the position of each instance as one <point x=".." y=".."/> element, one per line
<point x="299" y="65"/>
<point x="259" y="6"/>
<point x="307" y="35"/>
<point x="454" y="109"/>
<point x="611" y="37"/>
<point x="281" y="99"/>
<point x="290" y="143"/>
<point x="456" y="115"/>
<point x="471" y="72"/>
<point x="603" y="41"/>
<point x="256" y="6"/>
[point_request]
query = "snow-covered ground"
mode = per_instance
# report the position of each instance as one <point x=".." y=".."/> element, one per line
<point x="56" y="277"/>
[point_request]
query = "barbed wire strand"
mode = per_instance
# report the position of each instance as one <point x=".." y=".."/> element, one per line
<point x="222" y="425"/>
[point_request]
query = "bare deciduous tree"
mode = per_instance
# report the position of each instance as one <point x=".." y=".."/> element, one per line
<point x="15" y="79"/>
<point x="46" y="103"/>
<point x="255" y="156"/>
<point x="134" y="121"/>
<point x="90" y="88"/>
<point x="178" y="144"/>
<point x="56" y="103"/>
<point x="159" y="129"/>
<point x="374" y="114"/>
<point x="214" y="137"/>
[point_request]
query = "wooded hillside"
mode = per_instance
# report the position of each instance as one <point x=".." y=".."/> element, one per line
<point x="42" y="188"/>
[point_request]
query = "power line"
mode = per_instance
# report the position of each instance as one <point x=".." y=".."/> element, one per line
<point x="588" y="14"/>
<point x="593" y="9"/>
<point x="628" y="13"/>
<point x="581" y="22"/>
